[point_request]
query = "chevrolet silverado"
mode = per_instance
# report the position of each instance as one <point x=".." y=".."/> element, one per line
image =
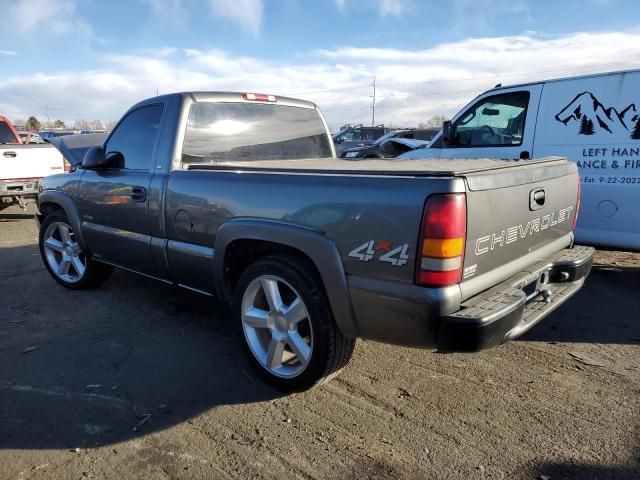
<point x="240" y="196"/>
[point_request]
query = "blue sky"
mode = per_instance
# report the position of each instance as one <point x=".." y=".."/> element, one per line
<point x="91" y="58"/>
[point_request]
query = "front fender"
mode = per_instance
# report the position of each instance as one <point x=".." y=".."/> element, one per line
<point x="320" y="250"/>
<point x="64" y="201"/>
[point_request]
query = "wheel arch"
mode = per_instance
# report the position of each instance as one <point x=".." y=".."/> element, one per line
<point x="271" y="237"/>
<point x="49" y="201"/>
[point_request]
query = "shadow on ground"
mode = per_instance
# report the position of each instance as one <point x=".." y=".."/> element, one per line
<point x="605" y="310"/>
<point x="81" y="369"/>
<point x="14" y="217"/>
<point x="583" y="471"/>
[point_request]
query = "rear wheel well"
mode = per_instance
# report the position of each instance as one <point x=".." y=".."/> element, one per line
<point x="239" y="254"/>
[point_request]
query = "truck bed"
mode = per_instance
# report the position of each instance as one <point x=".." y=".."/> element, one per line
<point x="395" y="167"/>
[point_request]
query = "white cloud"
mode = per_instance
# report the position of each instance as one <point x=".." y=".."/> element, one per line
<point x="341" y="4"/>
<point x="395" y="8"/>
<point x="247" y="13"/>
<point x="412" y="85"/>
<point x="44" y="16"/>
<point x="169" y="12"/>
<point x="478" y="15"/>
<point x="8" y="52"/>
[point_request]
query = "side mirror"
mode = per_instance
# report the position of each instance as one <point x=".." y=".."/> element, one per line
<point x="94" y="159"/>
<point x="115" y="160"/>
<point x="448" y="132"/>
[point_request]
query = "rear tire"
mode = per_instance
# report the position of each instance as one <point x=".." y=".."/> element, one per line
<point x="63" y="257"/>
<point x="286" y="325"/>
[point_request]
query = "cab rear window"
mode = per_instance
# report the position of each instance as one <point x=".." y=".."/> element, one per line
<point x="218" y="132"/>
<point x="6" y="134"/>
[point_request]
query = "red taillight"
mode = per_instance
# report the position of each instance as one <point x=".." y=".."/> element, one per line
<point x="67" y="166"/>
<point x="575" y="217"/>
<point x="259" y="97"/>
<point x="442" y="240"/>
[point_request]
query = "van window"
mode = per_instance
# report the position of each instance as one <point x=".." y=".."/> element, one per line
<point x="218" y="132"/>
<point x="497" y="120"/>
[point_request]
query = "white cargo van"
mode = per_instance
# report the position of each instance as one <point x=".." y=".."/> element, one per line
<point x="593" y="120"/>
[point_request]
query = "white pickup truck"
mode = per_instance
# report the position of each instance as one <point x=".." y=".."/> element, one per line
<point x="23" y="166"/>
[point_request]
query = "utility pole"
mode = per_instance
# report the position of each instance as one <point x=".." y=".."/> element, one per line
<point x="373" y="103"/>
<point x="46" y="107"/>
<point x="156" y="91"/>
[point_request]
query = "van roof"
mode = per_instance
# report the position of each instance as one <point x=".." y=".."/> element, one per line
<point x="562" y="79"/>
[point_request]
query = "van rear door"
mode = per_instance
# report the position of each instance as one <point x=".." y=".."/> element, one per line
<point x="498" y="124"/>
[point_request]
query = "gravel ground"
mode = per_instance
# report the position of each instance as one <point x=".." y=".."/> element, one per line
<point x="141" y="380"/>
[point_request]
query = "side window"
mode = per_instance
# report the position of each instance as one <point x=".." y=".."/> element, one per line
<point x="135" y="137"/>
<point x="373" y="133"/>
<point x="353" y="135"/>
<point x="493" y="121"/>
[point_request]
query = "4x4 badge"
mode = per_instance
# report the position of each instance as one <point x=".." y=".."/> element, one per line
<point x="367" y="251"/>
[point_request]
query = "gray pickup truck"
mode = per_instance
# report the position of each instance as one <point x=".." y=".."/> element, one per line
<point x="240" y="196"/>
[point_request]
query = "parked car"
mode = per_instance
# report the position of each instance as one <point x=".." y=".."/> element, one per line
<point x="22" y="166"/>
<point x="90" y="132"/>
<point x="47" y="134"/>
<point x="30" y="137"/>
<point x="593" y="120"/>
<point x="357" y="135"/>
<point x="240" y="196"/>
<point x="375" y="150"/>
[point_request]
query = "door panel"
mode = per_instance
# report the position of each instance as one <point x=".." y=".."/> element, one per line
<point x="114" y="217"/>
<point x="113" y="202"/>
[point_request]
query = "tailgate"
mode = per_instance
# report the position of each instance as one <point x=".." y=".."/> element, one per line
<point x="29" y="161"/>
<point x="516" y="216"/>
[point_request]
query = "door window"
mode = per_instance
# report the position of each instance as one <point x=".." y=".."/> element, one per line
<point x="135" y="137"/>
<point x="493" y="121"/>
<point x="352" y="135"/>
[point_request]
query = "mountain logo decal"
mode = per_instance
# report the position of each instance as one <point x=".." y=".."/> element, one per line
<point x="591" y="117"/>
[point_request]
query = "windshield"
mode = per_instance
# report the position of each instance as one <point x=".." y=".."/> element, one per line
<point x="244" y="131"/>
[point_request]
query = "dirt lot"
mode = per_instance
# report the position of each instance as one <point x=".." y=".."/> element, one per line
<point x="141" y="380"/>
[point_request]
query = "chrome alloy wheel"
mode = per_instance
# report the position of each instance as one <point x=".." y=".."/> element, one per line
<point x="63" y="254"/>
<point x="277" y="326"/>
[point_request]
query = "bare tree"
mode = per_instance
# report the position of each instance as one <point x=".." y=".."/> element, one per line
<point x="436" y="121"/>
<point x="33" y="124"/>
<point x="110" y="125"/>
<point x="81" y="125"/>
<point x="19" y="122"/>
<point x="96" y="125"/>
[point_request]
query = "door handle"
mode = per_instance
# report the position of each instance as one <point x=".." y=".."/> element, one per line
<point x="10" y="154"/>
<point x="138" y="194"/>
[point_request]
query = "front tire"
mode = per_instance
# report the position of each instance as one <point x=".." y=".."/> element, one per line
<point x="286" y="325"/>
<point x="63" y="257"/>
